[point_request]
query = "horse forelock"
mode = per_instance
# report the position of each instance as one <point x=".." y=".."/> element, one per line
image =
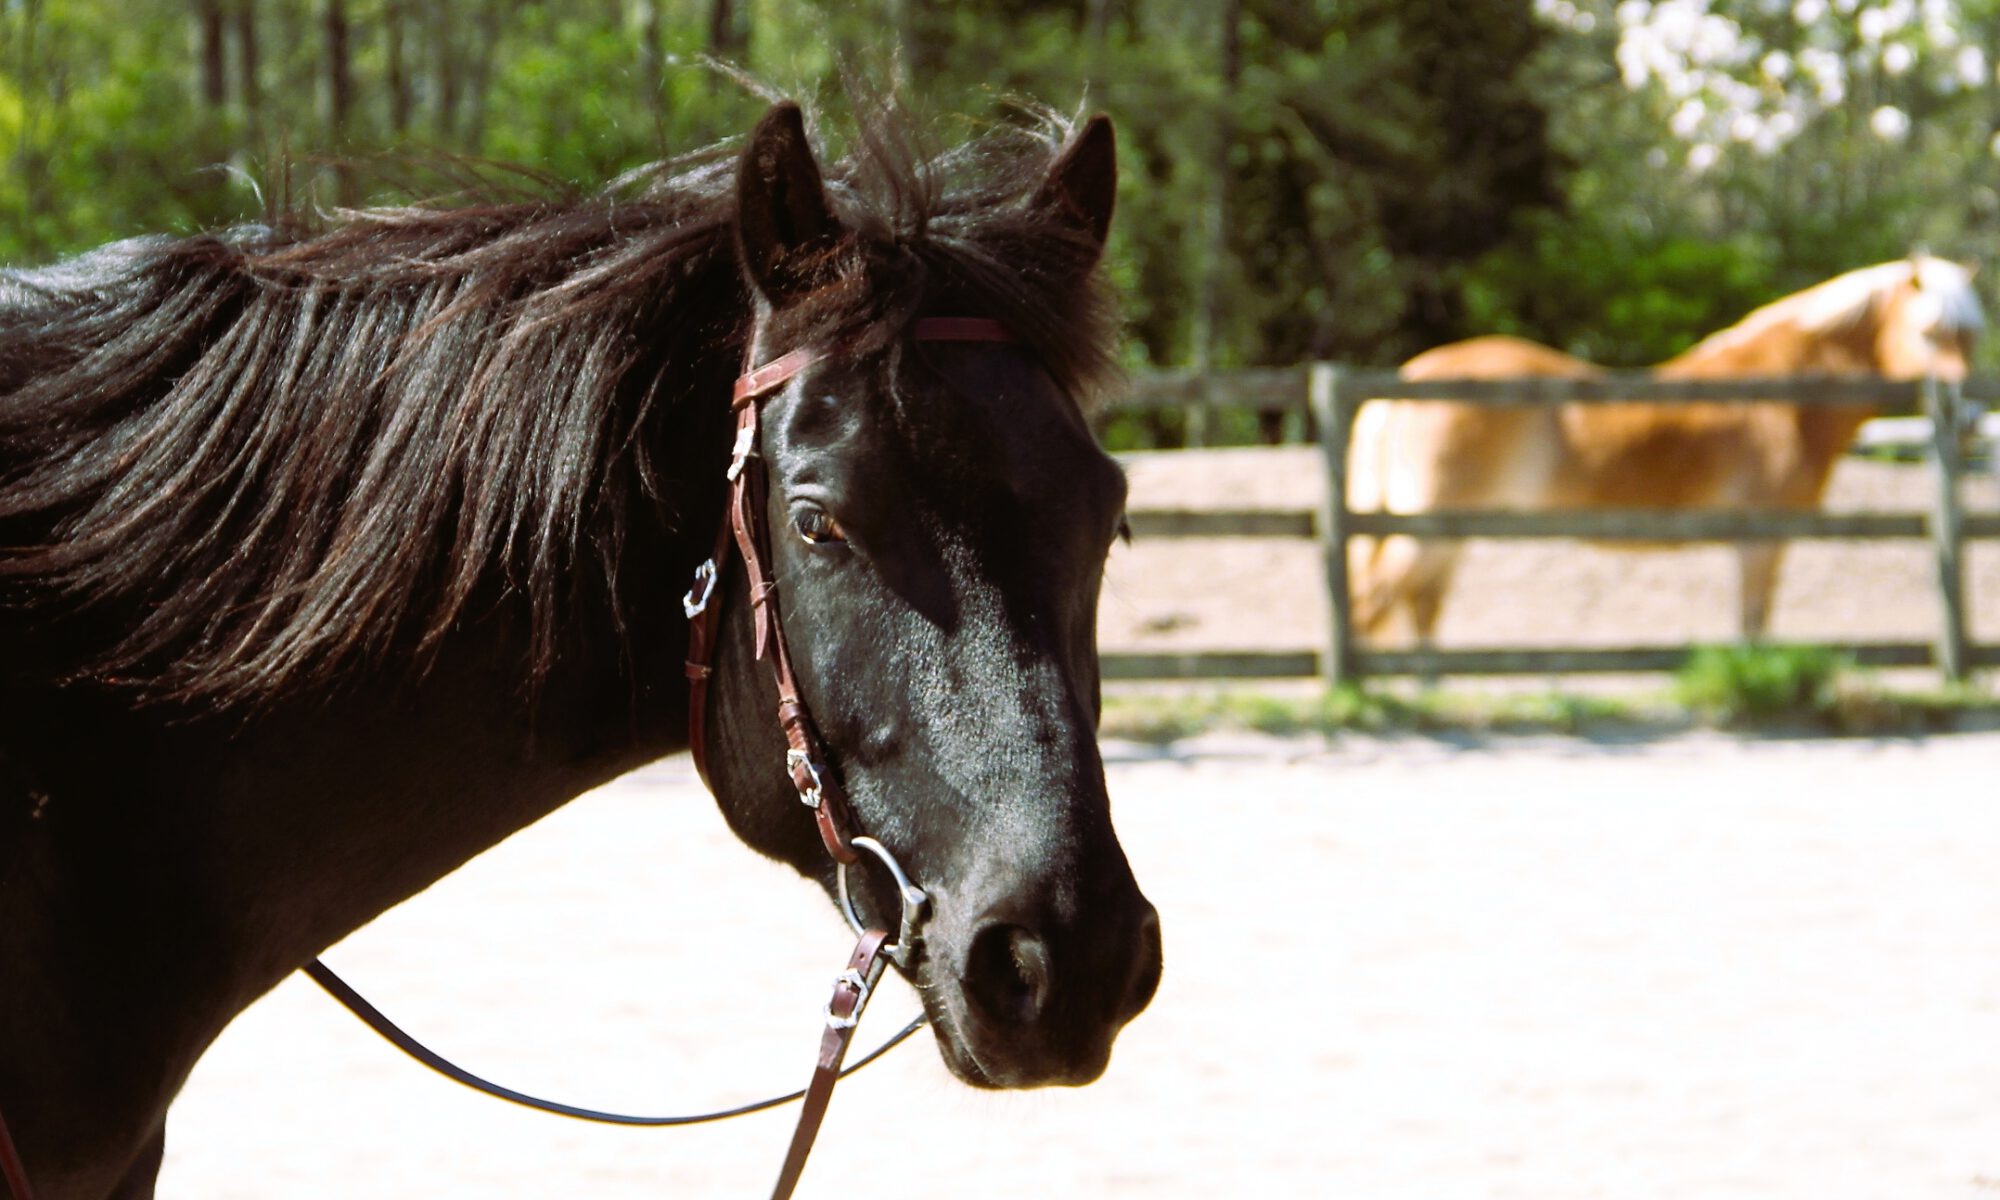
<point x="1948" y="285"/>
<point x="957" y="229"/>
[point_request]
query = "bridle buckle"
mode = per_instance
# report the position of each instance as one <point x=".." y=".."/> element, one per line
<point x="862" y="986"/>
<point x="742" y="452"/>
<point x="794" y="759"/>
<point x="696" y="601"/>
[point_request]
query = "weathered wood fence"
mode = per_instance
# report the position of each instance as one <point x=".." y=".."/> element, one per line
<point x="1333" y="395"/>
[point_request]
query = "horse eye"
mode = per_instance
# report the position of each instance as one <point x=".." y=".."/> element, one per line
<point x="817" y="527"/>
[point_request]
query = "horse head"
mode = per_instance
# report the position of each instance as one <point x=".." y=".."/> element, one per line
<point x="940" y="515"/>
<point x="1928" y="321"/>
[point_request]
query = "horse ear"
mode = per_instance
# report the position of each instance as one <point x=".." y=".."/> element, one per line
<point x="1082" y="187"/>
<point x="784" y="226"/>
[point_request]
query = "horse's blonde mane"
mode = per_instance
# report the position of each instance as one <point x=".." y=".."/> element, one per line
<point x="1846" y="301"/>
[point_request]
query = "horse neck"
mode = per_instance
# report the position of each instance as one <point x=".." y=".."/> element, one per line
<point x="1776" y="348"/>
<point x="211" y="859"/>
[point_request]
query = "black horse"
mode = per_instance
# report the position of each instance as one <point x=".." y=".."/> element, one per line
<point x="330" y="557"/>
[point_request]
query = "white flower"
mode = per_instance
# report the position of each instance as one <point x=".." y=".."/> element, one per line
<point x="1897" y="57"/>
<point x="1970" y="65"/>
<point x="1633" y="66"/>
<point x="1808" y="12"/>
<point x="1701" y="157"/>
<point x="1777" y="65"/>
<point x="1890" y="123"/>
<point x="1994" y="145"/>
<point x="1687" y="119"/>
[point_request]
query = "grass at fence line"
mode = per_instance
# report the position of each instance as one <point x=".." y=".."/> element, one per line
<point x="1800" y="689"/>
<point x="1752" y="682"/>
<point x="1169" y="716"/>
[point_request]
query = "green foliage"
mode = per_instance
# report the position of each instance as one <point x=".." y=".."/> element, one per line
<point x="1670" y="291"/>
<point x="1350" y="179"/>
<point x="1759" y="681"/>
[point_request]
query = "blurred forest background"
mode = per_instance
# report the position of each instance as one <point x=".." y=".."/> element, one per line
<point x="1345" y="179"/>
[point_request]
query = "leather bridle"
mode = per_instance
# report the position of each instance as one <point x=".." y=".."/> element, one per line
<point x="745" y="527"/>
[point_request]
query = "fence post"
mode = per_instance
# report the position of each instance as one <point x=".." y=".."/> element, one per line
<point x="1334" y="409"/>
<point x="1942" y="403"/>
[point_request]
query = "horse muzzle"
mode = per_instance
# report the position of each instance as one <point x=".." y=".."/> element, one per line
<point x="1021" y="1003"/>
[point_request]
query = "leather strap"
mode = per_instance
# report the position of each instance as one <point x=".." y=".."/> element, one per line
<point x="755" y="384"/>
<point x="394" y="1034"/>
<point x="11" y="1167"/>
<point x="744" y="526"/>
<point x="843" y="1015"/>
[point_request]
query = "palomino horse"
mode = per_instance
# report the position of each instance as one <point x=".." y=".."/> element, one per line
<point x="329" y="559"/>
<point x="1902" y="320"/>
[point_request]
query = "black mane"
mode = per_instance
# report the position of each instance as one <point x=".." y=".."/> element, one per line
<point x="237" y="465"/>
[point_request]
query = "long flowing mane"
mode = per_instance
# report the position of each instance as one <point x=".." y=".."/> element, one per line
<point x="239" y="464"/>
<point x="1851" y="300"/>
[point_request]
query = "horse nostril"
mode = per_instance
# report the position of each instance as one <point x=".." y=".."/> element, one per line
<point x="1146" y="971"/>
<point x="1007" y="974"/>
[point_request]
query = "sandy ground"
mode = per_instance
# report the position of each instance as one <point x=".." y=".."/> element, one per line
<point x="1268" y="594"/>
<point x="1683" y="969"/>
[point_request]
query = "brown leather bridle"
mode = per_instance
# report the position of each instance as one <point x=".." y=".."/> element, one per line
<point x="745" y="527"/>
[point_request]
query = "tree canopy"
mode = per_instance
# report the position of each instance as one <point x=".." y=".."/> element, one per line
<point x="1351" y="179"/>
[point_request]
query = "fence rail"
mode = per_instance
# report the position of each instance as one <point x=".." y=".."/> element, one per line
<point x="1333" y="395"/>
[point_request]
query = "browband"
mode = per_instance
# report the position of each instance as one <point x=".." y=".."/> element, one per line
<point x="779" y="371"/>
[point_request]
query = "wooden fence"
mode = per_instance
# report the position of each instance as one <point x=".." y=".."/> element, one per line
<point x="1333" y="395"/>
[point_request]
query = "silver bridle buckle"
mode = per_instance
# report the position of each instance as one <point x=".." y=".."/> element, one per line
<point x="913" y="899"/>
<point x="861" y="985"/>
<point x="794" y="759"/>
<point x="696" y="600"/>
<point x="742" y="452"/>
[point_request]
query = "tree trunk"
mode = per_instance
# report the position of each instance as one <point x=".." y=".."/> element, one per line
<point x="1096" y="32"/>
<point x="339" y="94"/>
<point x="486" y="47"/>
<point x="727" y="34"/>
<point x="445" y="75"/>
<point x="29" y="164"/>
<point x="209" y="32"/>
<point x="248" y="93"/>
<point x="398" y="68"/>
<point x="1215" y="224"/>
<point x="652" y="72"/>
